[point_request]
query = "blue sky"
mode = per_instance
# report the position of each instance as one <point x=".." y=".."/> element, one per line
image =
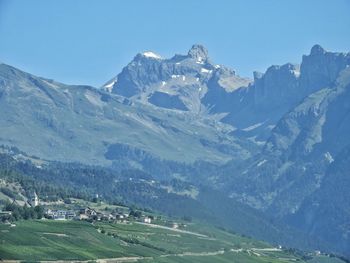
<point x="88" y="42"/>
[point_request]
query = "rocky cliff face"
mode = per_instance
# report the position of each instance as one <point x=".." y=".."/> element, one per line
<point x="326" y="211"/>
<point x="179" y="83"/>
<point x="295" y="171"/>
<point x="321" y="68"/>
<point x="277" y="88"/>
<point x="193" y="83"/>
<point x="304" y="116"/>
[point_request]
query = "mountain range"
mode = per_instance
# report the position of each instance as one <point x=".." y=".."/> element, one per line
<point x="278" y="143"/>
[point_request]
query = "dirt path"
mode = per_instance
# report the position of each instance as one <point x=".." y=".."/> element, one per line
<point x="173" y="229"/>
<point x="105" y="260"/>
<point x="123" y="259"/>
<point x="195" y="254"/>
<point x="271" y="249"/>
<point x="251" y="251"/>
<point x="254" y="251"/>
<point x="55" y="234"/>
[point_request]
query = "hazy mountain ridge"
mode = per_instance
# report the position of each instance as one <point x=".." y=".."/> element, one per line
<point x="291" y="176"/>
<point x="301" y="147"/>
<point x="276" y="138"/>
<point x="194" y="83"/>
<point x="67" y="117"/>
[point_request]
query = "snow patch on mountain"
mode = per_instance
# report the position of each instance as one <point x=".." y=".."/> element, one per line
<point x="252" y="127"/>
<point x="109" y="85"/>
<point x="261" y="163"/>
<point x="329" y="157"/>
<point x="151" y="54"/>
<point x="204" y="70"/>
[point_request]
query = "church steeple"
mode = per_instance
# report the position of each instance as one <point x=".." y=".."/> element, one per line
<point x="34" y="200"/>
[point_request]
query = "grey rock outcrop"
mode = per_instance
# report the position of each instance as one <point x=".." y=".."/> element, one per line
<point x="183" y="78"/>
<point x="321" y="68"/>
<point x="198" y="52"/>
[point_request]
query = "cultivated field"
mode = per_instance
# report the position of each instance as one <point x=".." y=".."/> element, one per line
<point x="47" y="240"/>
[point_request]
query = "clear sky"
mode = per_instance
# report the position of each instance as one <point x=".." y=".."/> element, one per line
<point x="88" y="42"/>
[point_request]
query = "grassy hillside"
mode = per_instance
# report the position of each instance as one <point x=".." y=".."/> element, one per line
<point x="84" y="124"/>
<point x="73" y="240"/>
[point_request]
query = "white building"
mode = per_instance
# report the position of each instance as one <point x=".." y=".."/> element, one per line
<point x="34" y="200"/>
<point x="147" y="220"/>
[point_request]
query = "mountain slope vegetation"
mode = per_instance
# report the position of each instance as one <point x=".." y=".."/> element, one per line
<point x="274" y="148"/>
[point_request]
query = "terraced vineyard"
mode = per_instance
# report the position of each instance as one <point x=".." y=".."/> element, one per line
<point x="46" y="240"/>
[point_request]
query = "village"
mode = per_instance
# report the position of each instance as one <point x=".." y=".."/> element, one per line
<point x="85" y="212"/>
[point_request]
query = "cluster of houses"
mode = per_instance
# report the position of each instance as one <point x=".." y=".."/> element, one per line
<point x="89" y="214"/>
<point x="60" y="214"/>
<point x="81" y="214"/>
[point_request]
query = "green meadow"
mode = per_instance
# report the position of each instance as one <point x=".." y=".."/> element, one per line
<point x="48" y="240"/>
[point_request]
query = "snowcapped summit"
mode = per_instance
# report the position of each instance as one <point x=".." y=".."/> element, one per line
<point x="150" y="54"/>
<point x="179" y="82"/>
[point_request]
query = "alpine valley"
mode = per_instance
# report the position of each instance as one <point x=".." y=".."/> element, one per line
<point x="267" y="157"/>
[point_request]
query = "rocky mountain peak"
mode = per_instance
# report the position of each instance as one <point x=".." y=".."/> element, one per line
<point x="198" y="52"/>
<point x="277" y="88"/>
<point x="321" y="68"/>
<point x="317" y="49"/>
